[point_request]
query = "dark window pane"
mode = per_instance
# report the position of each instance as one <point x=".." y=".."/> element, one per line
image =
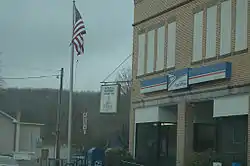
<point x="204" y="137"/>
<point x="147" y="143"/>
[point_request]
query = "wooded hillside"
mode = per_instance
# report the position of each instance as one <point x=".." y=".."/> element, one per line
<point x="39" y="106"/>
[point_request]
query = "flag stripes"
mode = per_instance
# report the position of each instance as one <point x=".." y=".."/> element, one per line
<point x="78" y="32"/>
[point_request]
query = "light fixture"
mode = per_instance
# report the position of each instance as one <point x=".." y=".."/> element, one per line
<point x="167" y="124"/>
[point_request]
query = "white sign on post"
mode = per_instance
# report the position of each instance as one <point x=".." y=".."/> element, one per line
<point x="109" y="98"/>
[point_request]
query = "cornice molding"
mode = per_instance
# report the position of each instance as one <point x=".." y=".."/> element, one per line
<point x="137" y="1"/>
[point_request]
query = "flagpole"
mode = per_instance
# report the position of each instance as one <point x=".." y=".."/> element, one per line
<point x="71" y="89"/>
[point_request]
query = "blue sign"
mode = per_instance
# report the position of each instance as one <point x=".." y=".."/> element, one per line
<point x="210" y="73"/>
<point x="183" y="78"/>
<point x="236" y="164"/>
<point x="95" y="157"/>
<point x="178" y="79"/>
<point x="154" y="84"/>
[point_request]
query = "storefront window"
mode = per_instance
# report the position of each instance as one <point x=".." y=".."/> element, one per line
<point x="204" y="137"/>
<point x="146" y="143"/>
<point x="231" y="143"/>
<point x="156" y="144"/>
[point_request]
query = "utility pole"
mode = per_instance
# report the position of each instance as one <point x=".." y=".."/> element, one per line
<point x="58" y="120"/>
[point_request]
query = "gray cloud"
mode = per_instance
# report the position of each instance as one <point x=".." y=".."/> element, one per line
<point x="36" y="34"/>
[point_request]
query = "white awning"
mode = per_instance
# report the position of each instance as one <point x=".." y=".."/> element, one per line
<point x="231" y="106"/>
<point x="155" y="114"/>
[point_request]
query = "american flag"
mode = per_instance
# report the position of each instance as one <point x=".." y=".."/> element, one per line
<point x="78" y="32"/>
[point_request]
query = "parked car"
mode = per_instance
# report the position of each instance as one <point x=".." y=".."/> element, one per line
<point x="8" y="161"/>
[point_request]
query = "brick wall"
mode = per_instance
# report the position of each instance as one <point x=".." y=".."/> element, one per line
<point x="184" y="38"/>
<point x="147" y="8"/>
<point x="248" y="137"/>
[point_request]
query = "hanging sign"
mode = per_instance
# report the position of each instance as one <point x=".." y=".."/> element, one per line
<point x="109" y="98"/>
<point x="85" y="122"/>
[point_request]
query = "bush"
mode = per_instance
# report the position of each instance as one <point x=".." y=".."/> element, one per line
<point x="114" y="156"/>
<point x="201" y="158"/>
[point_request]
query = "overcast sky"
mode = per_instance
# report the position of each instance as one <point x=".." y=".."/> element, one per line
<point x="35" y="35"/>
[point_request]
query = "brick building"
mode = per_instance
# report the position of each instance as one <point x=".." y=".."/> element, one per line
<point x="191" y="81"/>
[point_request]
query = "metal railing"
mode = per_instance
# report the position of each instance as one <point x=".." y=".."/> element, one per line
<point x="81" y="162"/>
<point x="52" y="162"/>
<point x="63" y="162"/>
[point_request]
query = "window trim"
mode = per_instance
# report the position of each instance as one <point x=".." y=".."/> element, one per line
<point x="157" y="49"/>
<point x="147" y="53"/>
<point x="173" y="20"/>
<point x="138" y="52"/>
<point x="206" y="56"/>
<point x="235" y="26"/>
<point x="196" y="11"/>
<point x="145" y="31"/>
<point x="231" y="30"/>
<point x="233" y="52"/>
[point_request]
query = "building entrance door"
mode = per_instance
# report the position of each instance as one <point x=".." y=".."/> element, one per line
<point x="167" y="144"/>
<point x="156" y="144"/>
<point x="146" y="143"/>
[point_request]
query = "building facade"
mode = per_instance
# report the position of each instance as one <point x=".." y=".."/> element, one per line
<point x="7" y="129"/>
<point x="18" y="137"/>
<point x="191" y="81"/>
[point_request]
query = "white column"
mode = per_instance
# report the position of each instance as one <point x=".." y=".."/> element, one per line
<point x="184" y="133"/>
<point x="17" y="138"/>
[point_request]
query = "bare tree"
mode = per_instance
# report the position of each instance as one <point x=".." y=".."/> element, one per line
<point x="1" y="78"/>
<point x="1" y="81"/>
<point x="124" y="76"/>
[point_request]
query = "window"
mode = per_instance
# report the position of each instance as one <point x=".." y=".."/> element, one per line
<point x="226" y="30"/>
<point x="160" y="48"/>
<point x="232" y="134"/>
<point x="171" y="45"/>
<point x="197" y="37"/>
<point x="146" y="142"/>
<point x="226" y="27"/>
<point x="141" y="54"/>
<point x="204" y="137"/>
<point x="241" y="25"/>
<point x="237" y="135"/>
<point x="211" y="32"/>
<point x="151" y="51"/>
<point x="155" y="143"/>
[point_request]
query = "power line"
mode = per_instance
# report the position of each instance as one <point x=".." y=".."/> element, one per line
<point x="28" y="68"/>
<point x="30" y="77"/>
<point x="117" y="67"/>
